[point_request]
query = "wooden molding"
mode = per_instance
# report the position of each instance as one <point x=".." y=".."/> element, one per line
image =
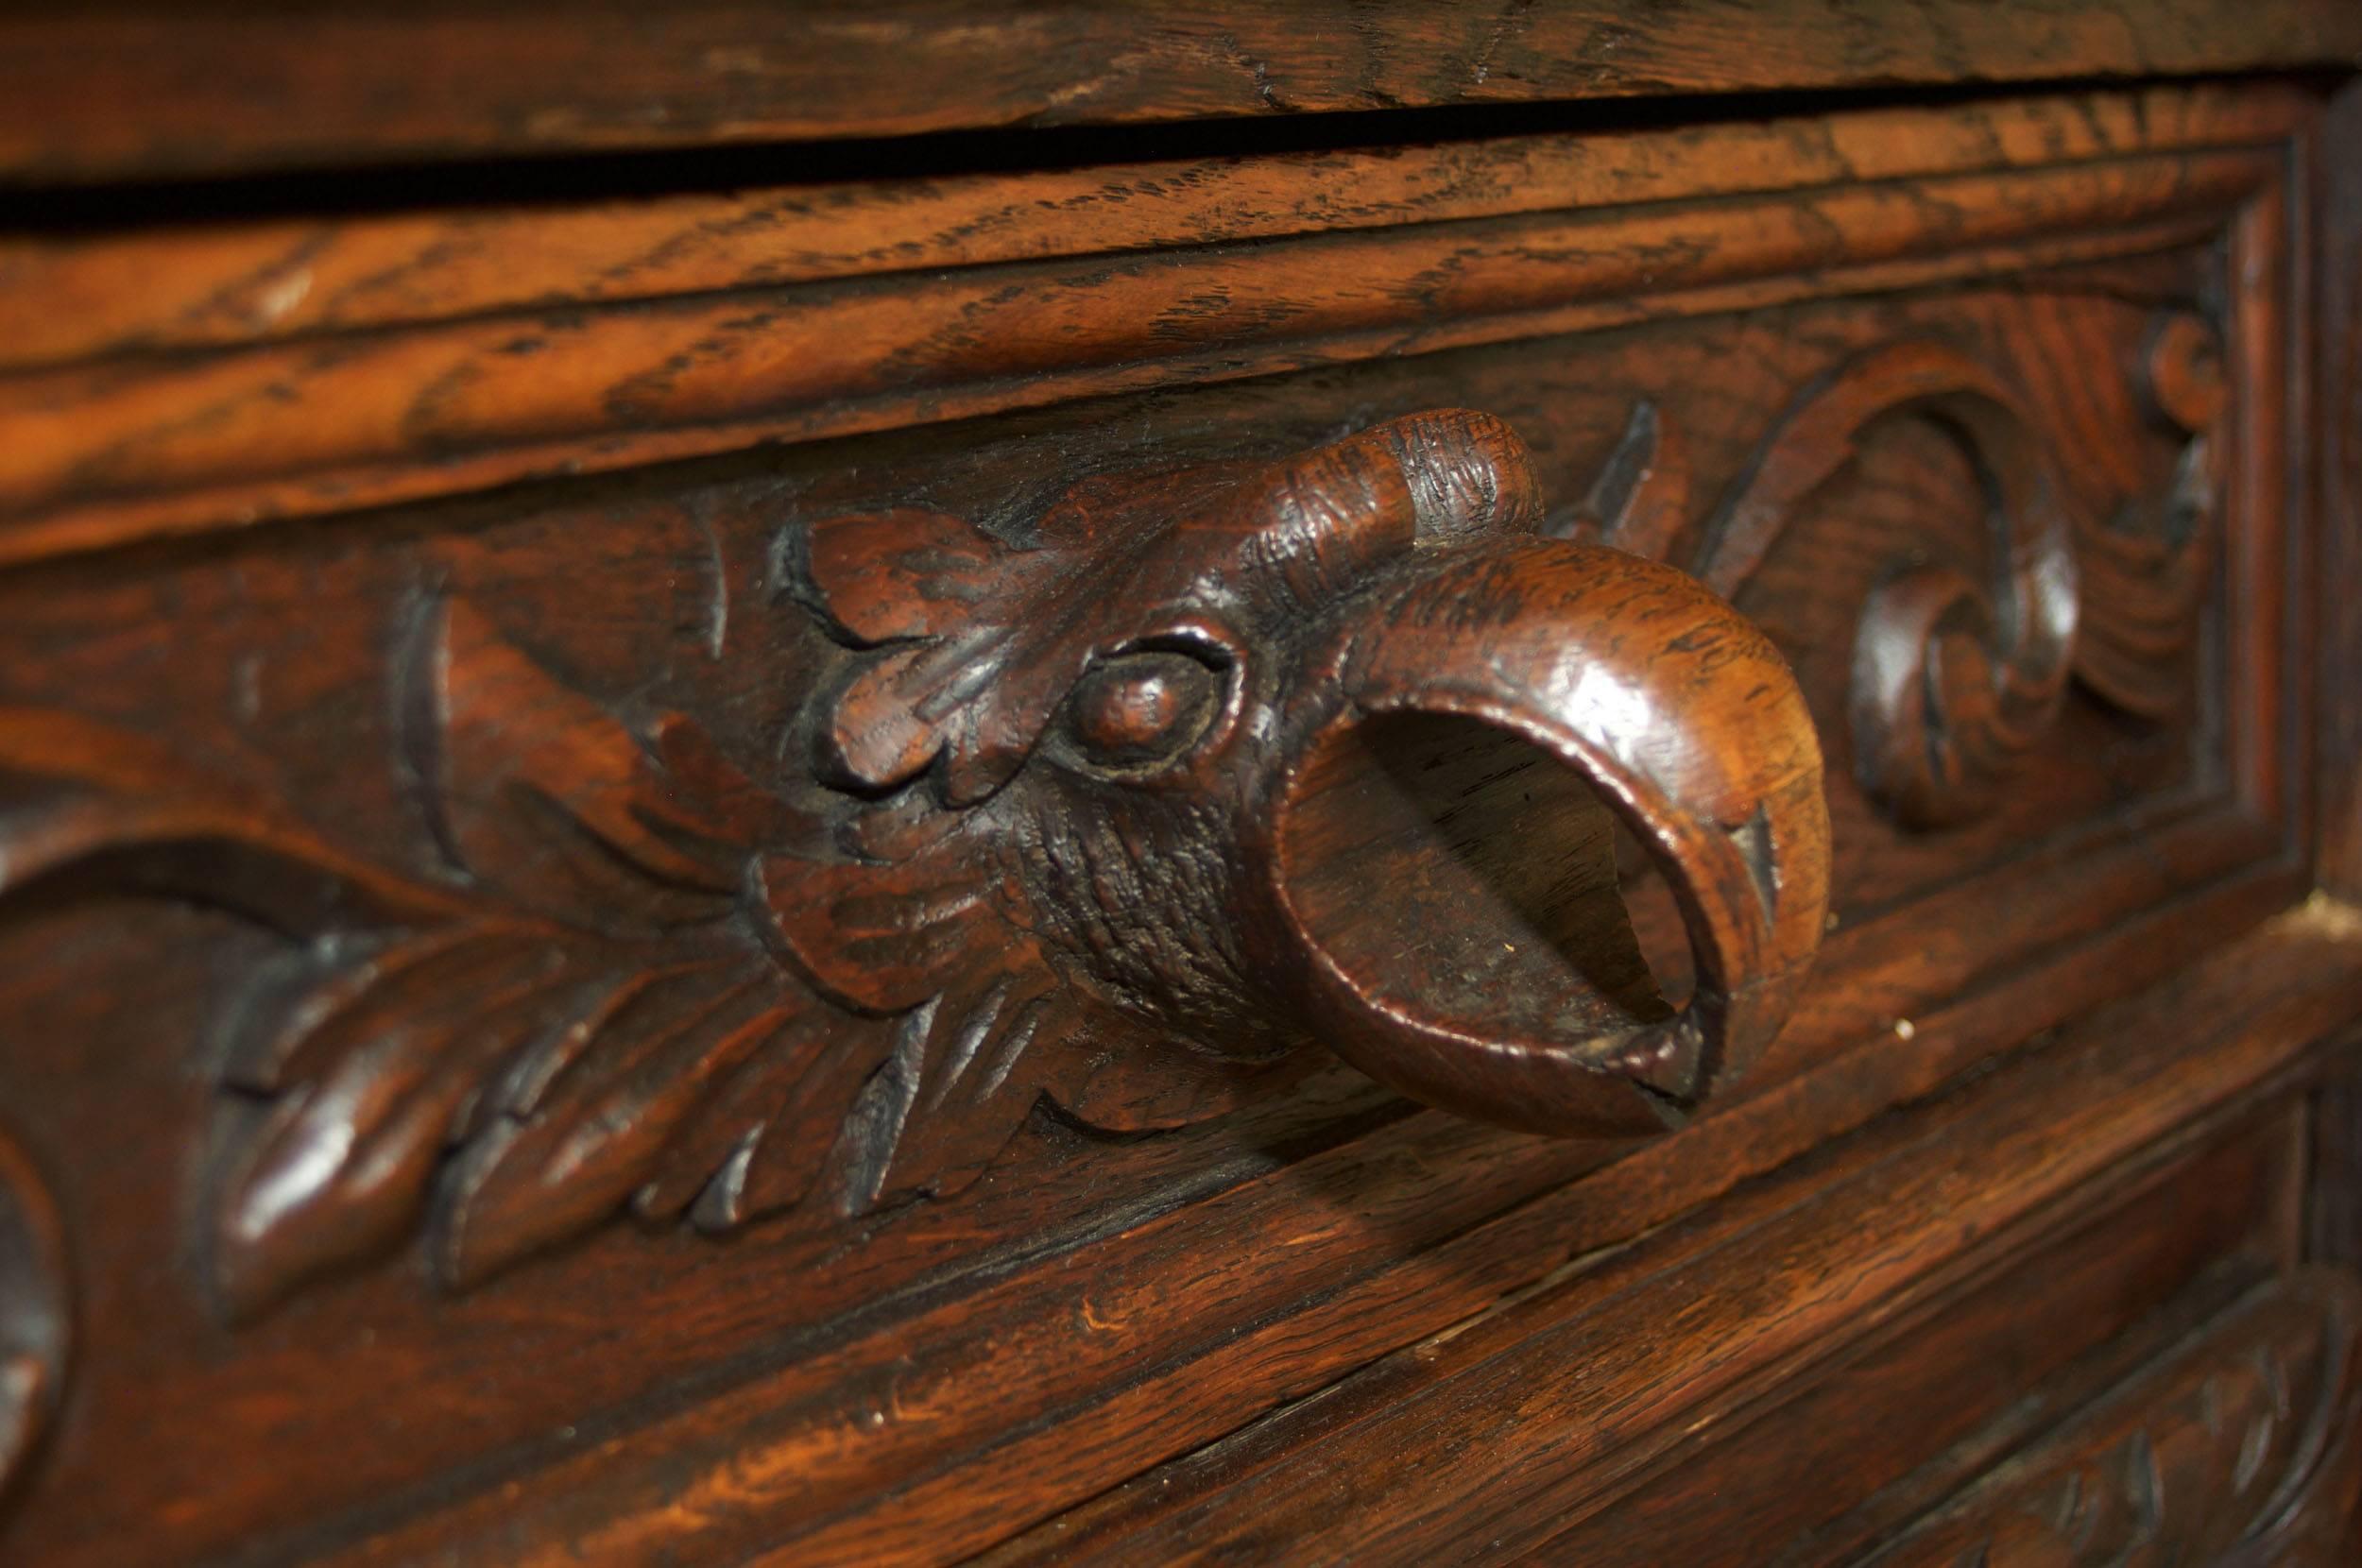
<point x="2240" y="1446"/>
<point x="231" y="91"/>
<point x="260" y="279"/>
<point x="2338" y="285"/>
<point x="403" y="383"/>
<point x="2133" y="1081"/>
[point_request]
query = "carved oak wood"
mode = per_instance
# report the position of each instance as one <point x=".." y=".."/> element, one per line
<point x="684" y="993"/>
<point x="2236" y="1448"/>
<point x="1937" y="712"/>
<point x="667" y="360"/>
<point x="1596" y="1418"/>
<point x="701" y="584"/>
<point x="883" y="954"/>
<point x="230" y="93"/>
<point x="1137" y="778"/>
<point x="1634" y="464"/>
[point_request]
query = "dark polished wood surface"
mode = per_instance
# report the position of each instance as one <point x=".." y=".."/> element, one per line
<point x="124" y="90"/>
<point x="1026" y="810"/>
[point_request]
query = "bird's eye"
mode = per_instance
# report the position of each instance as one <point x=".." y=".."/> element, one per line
<point x="1137" y="711"/>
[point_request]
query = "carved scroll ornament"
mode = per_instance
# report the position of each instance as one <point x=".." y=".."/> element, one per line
<point x="1956" y="677"/>
<point x="1212" y="763"/>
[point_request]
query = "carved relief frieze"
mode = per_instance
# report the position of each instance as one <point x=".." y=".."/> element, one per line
<point x="1117" y="807"/>
<point x="1954" y="677"/>
<point x="1096" y="815"/>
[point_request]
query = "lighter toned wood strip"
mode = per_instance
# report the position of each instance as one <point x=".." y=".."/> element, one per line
<point x="62" y="297"/>
<point x="99" y="454"/>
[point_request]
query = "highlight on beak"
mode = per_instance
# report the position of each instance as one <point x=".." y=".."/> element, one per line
<point x="1442" y="854"/>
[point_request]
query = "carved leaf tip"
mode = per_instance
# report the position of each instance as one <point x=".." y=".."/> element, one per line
<point x="375" y="1066"/>
<point x="558" y="806"/>
<point x="538" y="1172"/>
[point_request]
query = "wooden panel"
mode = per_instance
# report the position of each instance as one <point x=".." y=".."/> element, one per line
<point x="1845" y="1450"/>
<point x="1543" y="1412"/>
<point x="115" y="91"/>
<point x="2239" y="1446"/>
<point x="536" y="941"/>
<point x="274" y="722"/>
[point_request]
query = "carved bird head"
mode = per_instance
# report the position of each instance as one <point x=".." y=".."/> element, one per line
<point x="1329" y="746"/>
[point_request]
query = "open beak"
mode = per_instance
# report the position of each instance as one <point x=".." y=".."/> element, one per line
<point x="1440" y="850"/>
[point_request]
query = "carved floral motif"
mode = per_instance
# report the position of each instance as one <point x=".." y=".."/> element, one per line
<point x="1955" y="678"/>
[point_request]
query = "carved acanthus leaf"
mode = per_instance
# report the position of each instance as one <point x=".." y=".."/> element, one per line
<point x="589" y="1013"/>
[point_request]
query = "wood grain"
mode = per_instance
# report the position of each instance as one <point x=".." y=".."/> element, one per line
<point x="2238" y="1446"/>
<point x="1009" y="548"/>
<point x="1527" y="1425"/>
<point x="2114" y="860"/>
<point x="2338" y="281"/>
<point x="98" y="452"/>
<point x="214" y="283"/>
<point x="114" y="92"/>
<point x="1842" y="1453"/>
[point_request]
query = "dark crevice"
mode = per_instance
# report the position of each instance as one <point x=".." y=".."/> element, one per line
<point x="508" y="182"/>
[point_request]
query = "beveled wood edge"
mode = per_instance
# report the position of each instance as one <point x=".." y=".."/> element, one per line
<point x="2099" y="1367"/>
<point x="2335" y="191"/>
<point x="232" y="281"/>
<point x="2099" y="1070"/>
<point x="630" y="1494"/>
<point x="2270" y="1254"/>
<point x="2268" y="549"/>
<point x="86" y="459"/>
<point x="2143" y="1187"/>
<point x="2303" y="1470"/>
<point x="99" y="94"/>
